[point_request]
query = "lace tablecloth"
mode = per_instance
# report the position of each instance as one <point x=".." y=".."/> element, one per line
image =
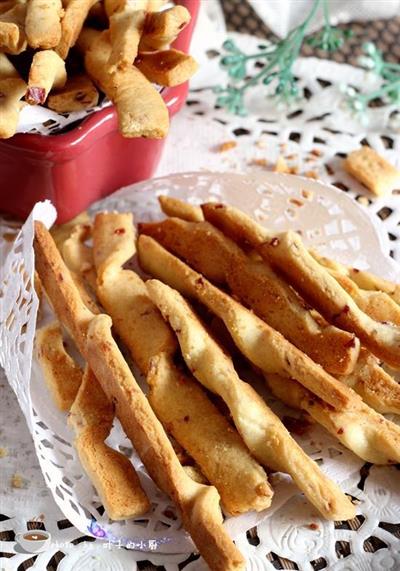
<point x="313" y="137"/>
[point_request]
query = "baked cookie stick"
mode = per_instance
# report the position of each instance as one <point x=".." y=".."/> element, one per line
<point x="46" y="73"/>
<point x="75" y="15"/>
<point x="162" y="28"/>
<point x="254" y="337"/>
<point x="219" y="259"/>
<point x="260" y="428"/>
<point x="179" y="402"/>
<point x="12" y="90"/>
<point x="112" y="473"/>
<point x="62" y="375"/>
<point x="198" y="504"/>
<point x="43" y="23"/>
<point x="287" y="253"/>
<point x="362" y="430"/>
<point x="141" y="109"/>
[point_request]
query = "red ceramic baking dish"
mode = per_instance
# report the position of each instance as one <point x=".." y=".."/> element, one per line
<point x="85" y="164"/>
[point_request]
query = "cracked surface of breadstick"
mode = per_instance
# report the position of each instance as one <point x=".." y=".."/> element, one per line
<point x="141" y="109"/>
<point x="47" y="71"/>
<point x="261" y="344"/>
<point x="260" y="428"/>
<point x="111" y="472"/>
<point x="362" y="430"/>
<point x="179" y="402"/>
<point x="162" y="28"/>
<point x="287" y="253"/>
<point x="43" y="23"/>
<point x="62" y="375"/>
<point x="219" y="259"/>
<point x="199" y="504"/>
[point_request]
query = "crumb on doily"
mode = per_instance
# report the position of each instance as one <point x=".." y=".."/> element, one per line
<point x="363" y="200"/>
<point x="259" y="162"/>
<point x="313" y="526"/>
<point x="311" y="174"/>
<point x="17" y="481"/>
<point x="281" y="165"/>
<point x="307" y="194"/>
<point x="296" y="202"/>
<point x="3" y="452"/>
<point x="226" y="146"/>
<point x="261" y="144"/>
<point x="316" y="152"/>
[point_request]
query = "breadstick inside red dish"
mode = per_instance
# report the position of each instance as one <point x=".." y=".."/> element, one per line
<point x="43" y="23"/>
<point x="46" y="73"/>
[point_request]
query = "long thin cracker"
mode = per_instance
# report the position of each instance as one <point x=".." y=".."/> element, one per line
<point x="287" y="253"/>
<point x="43" y="23"/>
<point x="62" y="375"/>
<point x="112" y="473"/>
<point x="179" y="402"/>
<point x="198" y="504"/>
<point x="219" y="259"/>
<point x="362" y="430"/>
<point x="260" y="428"/>
<point x="47" y="71"/>
<point x="75" y="15"/>
<point x="162" y="28"/>
<point x="141" y="109"/>
<point x="258" y="341"/>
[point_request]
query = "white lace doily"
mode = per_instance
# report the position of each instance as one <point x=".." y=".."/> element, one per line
<point x="292" y="529"/>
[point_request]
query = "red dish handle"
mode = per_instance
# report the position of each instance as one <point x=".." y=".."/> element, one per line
<point x="183" y="40"/>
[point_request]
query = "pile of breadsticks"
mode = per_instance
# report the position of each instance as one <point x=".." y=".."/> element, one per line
<point x="221" y="284"/>
<point x="60" y="53"/>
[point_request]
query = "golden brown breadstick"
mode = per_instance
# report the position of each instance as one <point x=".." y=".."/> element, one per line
<point x="198" y="504"/>
<point x="62" y="375"/>
<point x="219" y="259"/>
<point x="141" y="109"/>
<point x="78" y="256"/>
<point x="377" y="304"/>
<point x="162" y="28"/>
<point x="12" y="89"/>
<point x="178" y="208"/>
<point x="43" y="23"/>
<point x="365" y="280"/>
<point x="112" y="473"/>
<point x="126" y="28"/>
<point x="183" y="407"/>
<point x="46" y="73"/>
<point x="375" y="386"/>
<point x="77" y="94"/>
<point x="260" y="428"/>
<point x="169" y="67"/>
<point x="187" y="412"/>
<point x="270" y="351"/>
<point x="287" y="253"/>
<point x="361" y="429"/>
<point x="12" y="32"/>
<point x="75" y="15"/>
